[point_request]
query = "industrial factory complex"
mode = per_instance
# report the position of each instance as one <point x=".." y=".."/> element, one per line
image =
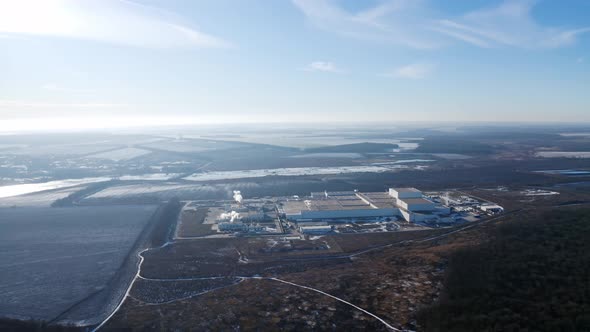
<point x="334" y="212"/>
<point x="405" y="203"/>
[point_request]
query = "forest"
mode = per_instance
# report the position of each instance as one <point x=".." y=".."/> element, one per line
<point x="532" y="275"/>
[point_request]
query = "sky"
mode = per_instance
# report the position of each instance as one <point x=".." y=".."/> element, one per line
<point x="109" y="63"/>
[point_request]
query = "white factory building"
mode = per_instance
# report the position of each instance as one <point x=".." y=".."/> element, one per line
<point x="407" y="203"/>
<point x="416" y="204"/>
<point x="315" y="229"/>
<point x="403" y="193"/>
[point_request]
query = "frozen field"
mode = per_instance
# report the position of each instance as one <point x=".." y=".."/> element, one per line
<point x="329" y="155"/>
<point x="304" y="142"/>
<point x="451" y="156"/>
<point x="61" y="149"/>
<point x="120" y="154"/>
<point x="38" y="199"/>
<point x="138" y="190"/>
<point x="53" y="258"/>
<point x="570" y="172"/>
<point x="257" y="173"/>
<point x="563" y="154"/>
<point x="160" y="191"/>
<point x="149" y="177"/>
<point x="189" y="145"/>
<point x="28" y="188"/>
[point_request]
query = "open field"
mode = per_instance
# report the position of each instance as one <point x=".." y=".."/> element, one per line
<point x="38" y="199"/>
<point x="191" y="223"/>
<point x="61" y="149"/>
<point x="564" y="154"/>
<point x="52" y="258"/>
<point x="190" y="145"/>
<point x="229" y="175"/>
<point x="120" y="154"/>
<point x="27" y="188"/>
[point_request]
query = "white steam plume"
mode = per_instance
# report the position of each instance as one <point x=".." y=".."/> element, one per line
<point x="238" y="196"/>
<point x="231" y="216"/>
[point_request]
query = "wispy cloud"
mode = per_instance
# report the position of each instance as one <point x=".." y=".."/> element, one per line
<point x="580" y="59"/>
<point x="508" y="24"/>
<point x="414" y="71"/>
<point x="112" y="21"/>
<point x="323" y="66"/>
<point x="413" y="23"/>
<point x="398" y="22"/>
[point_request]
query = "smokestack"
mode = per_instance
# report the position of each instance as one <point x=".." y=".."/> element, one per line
<point x="238" y="197"/>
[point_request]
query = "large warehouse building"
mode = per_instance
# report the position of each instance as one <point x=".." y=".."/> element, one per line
<point x="408" y="203"/>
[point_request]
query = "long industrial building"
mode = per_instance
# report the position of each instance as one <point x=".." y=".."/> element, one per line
<point x="407" y="203"/>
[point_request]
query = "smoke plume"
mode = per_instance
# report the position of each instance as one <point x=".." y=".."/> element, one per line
<point x="238" y="196"/>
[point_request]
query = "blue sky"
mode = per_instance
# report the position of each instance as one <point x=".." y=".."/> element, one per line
<point x="95" y="63"/>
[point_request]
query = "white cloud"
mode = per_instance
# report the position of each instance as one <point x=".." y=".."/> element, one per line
<point x="111" y="21"/>
<point x="414" y="71"/>
<point x="396" y="21"/>
<point x="414" y="24"/>
<point x="508" y="24"/>
<point x="323" y="66"/>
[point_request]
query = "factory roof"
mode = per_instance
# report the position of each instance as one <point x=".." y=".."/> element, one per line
<point x="345" y="202"/>
<point x="406" y="190"/>
<point x="416" y="201"/>
<point x="294" y="207"/>
<point x="338" y="203"/>
<point x="322" y="194"/>
<point x="381" y="200"/>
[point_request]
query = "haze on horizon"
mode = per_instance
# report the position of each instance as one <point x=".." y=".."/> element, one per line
<point x="92" y="64"/>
